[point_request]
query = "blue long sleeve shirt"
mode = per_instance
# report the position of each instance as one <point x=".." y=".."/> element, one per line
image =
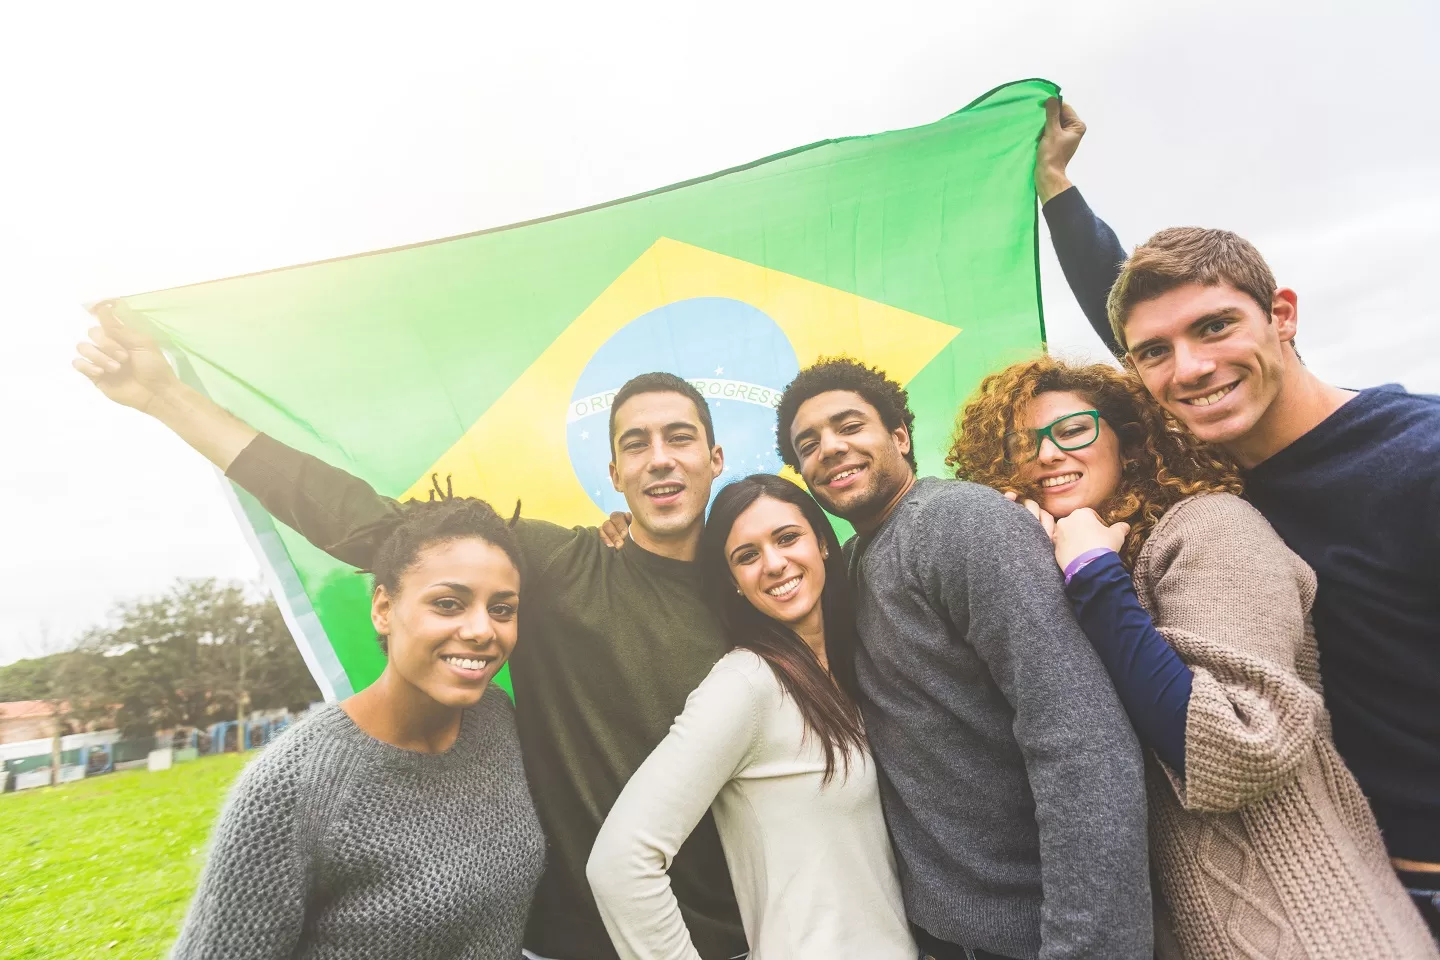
<point x="1358" y="498"/>
<point x="1152" y="681"/>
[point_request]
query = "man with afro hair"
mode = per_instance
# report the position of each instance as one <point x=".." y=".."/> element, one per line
<point x="1010" y="776"/>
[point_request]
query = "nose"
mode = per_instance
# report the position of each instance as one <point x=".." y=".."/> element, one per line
<point x="662" y="460"/>
<point x="772" y="560"/>
<point x="477" y="627"/>
<point x="1191" y="365"/>
<point x="1049" y="453"/>
<point x="832" y="445"/>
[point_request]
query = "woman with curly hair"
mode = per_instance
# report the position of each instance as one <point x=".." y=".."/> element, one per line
<point x="1261" y="842"/>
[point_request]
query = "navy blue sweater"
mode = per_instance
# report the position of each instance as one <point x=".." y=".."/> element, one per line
<point x="1358" y="498"/>
<point x="1152" y="681"/>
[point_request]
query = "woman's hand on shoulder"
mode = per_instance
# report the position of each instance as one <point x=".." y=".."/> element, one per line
<point x="1083" y="531"/>
<point x="1036" y="511"/>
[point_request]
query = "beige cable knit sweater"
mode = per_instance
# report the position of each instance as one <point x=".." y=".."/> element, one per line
<point x="1267" y="848"/>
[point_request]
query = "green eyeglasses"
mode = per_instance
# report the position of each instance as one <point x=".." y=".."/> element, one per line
<point x="1074" y="431"/>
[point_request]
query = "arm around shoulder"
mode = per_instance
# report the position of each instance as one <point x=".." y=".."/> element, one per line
<point x="1234" y="601"/>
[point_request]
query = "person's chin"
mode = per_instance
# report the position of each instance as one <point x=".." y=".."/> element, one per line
<point x="458" y="696"/>
<point x="1224" y="430"/>
<point x="1059" y="510"/>
<point x="1062" y="507"/>
<point x="849" y="503"/>
<point x="670" y="522"/>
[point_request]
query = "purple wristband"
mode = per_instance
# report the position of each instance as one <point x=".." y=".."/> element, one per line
<point x="1083" y="561"/>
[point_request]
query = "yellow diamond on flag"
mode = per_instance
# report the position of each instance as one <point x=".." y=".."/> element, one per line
<point x="686" y="297"/>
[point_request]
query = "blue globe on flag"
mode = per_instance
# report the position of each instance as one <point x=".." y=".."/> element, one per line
<point x="733" y="353"/>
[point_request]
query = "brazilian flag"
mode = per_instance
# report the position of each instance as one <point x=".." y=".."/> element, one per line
<point x="493" y="357"/>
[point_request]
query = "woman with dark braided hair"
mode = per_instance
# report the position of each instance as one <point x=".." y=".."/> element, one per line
<point x="397" y="823"/>
<point x="1261" y="842"/>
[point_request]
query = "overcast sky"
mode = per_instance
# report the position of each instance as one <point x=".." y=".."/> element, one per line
<point x="150" y="146"/>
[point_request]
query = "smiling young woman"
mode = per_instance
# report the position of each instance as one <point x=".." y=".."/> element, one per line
<point x="1211" y="649"/>
<point x="772" y="743"/>
<point x="1133" y="466"/>
<point x="397" y="823"/>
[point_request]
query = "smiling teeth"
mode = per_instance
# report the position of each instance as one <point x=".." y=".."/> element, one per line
<point x="1057" y="481"/>
<point x="468" y="663"/>
<point x="664" y="491"/>
<point x="785" y="589"/>
<point x="845" y="473"/>
<point x="1211" y="398"/>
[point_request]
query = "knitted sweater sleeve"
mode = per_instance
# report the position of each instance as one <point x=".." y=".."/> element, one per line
<point x="1234" y="602"/>
<point x="709" y="743"/>
<point x="251" y="898"/>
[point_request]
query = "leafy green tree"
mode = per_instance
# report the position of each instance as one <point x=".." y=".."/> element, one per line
<point x="26" y="679"/>
<point x="203" y="651"/>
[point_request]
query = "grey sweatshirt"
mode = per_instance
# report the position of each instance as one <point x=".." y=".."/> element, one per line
<point x="336" y="845"/>
<point x="1011" y="780"/>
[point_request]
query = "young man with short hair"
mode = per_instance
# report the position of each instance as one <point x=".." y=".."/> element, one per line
<point x="611" y="642"/>
<point x="1350" y="479"/>
<point x="1010" y="776"/>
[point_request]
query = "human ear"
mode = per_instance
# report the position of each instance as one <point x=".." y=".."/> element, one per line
<point x="615" y="477"/>
<point x="902" y="439"/>
<point x="717" y="461"/>
<point x="1285" y="311"/>
<point x="381" y="607"/>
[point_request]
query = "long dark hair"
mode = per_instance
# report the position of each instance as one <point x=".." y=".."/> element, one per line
<point x="830" y="707"/>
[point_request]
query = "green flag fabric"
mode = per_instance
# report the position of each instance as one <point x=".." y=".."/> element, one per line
<point x="492" y="357"/>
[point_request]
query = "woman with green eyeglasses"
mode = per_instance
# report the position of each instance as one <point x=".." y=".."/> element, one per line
<point x="1261" y="842"/>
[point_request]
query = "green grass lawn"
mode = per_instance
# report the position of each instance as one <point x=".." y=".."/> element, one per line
<point x="105" y="867"/>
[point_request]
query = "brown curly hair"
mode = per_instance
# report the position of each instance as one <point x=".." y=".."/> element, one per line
<point x="1162" y="463"/>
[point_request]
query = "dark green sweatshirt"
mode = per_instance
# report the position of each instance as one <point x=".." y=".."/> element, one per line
<point x="611" y="643"/>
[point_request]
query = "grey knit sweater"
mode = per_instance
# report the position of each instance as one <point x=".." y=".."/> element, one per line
<point x="336" y="845"/>
<point x="1011" y="780"/>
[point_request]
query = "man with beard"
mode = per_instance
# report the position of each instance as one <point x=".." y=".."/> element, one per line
<point x="611" y="642"/>
<point x="1010" y="776"/>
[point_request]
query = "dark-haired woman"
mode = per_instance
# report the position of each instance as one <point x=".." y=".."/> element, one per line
<point x="771" y="741"/>
<point x="397" y="823"/>
<point x="1261" y="842"/>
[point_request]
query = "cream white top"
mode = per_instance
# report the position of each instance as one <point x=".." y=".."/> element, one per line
<point x="813" y="871"/>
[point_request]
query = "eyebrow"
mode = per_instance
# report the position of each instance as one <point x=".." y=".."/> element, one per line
<point x="833" y="418"/>
<point x="456" y="587"/>
<point x="1224" y="313"/>
<point x="642" y="432"/>
<point x="775" y="532"/>
<point x="504" y="595"/>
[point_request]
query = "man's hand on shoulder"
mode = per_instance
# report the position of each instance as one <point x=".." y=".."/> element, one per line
<point x="1058" y="143"/>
